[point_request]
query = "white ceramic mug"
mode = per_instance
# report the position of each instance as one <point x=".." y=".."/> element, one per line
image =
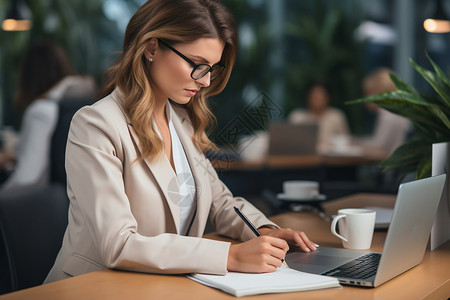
<point x="301" y="189"/>
<point x="356" y="226"/>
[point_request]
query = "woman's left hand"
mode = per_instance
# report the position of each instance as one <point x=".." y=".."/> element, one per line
<point x="291" y="236"/>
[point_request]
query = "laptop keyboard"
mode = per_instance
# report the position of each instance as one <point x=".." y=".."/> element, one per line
<point x="361" y="268"/>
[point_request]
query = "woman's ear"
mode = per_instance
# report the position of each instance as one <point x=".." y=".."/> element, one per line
<point x="152" y="46"/>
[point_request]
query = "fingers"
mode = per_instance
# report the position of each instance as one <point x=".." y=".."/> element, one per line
<point x="273" y="250"/>
<point x="303" y="241"/>
<point x="277" y="250"/>
<point x="265" y="253"/>
<point x="278" y="243"/>
<point x="262" y="254"/>
<point x="273" y="263"/>
<point x="298" y="237"/>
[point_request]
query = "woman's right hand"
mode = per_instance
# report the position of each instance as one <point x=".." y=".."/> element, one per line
<point x="259" y="255"/>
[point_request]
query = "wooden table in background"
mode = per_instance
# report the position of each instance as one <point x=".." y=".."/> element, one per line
<point x="303" y="161"/>
<point x="250" y="178"/>
<point x="429" y="280"/>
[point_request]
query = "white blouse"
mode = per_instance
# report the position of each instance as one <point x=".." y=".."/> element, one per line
<point x="186" y="182"/>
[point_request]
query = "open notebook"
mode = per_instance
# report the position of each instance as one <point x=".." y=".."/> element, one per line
<point x="281" y="281"/>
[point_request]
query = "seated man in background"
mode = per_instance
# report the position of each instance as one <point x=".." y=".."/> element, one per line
<point x="390" y="130"/>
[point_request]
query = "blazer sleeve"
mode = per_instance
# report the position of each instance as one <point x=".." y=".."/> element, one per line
<point x="100" y="208"/>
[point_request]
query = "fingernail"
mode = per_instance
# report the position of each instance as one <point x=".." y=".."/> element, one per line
<point x="317" y="246"/>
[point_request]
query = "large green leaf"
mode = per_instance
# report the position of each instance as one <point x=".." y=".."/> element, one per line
<point x="424" y="167"/>
<point x="439" y="71"/>
<point x="445" y="105"/>
<point x="401" y="85"/>
<point x="407" y="158"/>
<point x="430" y="115"/>
<point x="423" y="117"/>
<point x="412" y="106"/>
<point x="435" y="81"/>
<point x="408" y="105"/>
<point x="400" y="96"/>
<point x="442" y="116"/>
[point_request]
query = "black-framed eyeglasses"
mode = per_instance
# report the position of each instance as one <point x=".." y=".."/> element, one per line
<point x="200" y="70"/>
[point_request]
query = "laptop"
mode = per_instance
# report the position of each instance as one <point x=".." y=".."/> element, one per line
<point x="404" y="248"/>
<point x="292" y="139"/>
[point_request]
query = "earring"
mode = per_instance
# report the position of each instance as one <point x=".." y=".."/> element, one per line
<point x="150" y="59"/>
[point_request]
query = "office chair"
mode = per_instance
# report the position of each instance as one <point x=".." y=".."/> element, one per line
<point x="32" y="225"/>
<point x="33" y="219"/>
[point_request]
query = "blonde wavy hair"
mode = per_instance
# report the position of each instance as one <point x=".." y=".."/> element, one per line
<point x="174" y="21"/>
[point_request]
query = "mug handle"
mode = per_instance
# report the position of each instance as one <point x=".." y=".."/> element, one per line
<point x="333" y="227"/>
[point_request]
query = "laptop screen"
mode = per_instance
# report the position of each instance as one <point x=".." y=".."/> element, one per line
<point x="292" y="139"/>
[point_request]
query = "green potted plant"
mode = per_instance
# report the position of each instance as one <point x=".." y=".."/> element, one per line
<point x="429" y="114"/>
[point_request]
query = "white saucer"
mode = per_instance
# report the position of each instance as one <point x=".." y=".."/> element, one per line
<point x="285" y="197"/>
<point x="350" y="151"/>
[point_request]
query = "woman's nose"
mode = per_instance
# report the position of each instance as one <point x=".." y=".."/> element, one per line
<point x="205" y="80"/>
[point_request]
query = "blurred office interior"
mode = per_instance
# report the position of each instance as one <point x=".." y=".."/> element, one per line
<point x="284" y="44"/>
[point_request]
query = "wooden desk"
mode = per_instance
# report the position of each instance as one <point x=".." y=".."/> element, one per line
<point x="429" y="280"/>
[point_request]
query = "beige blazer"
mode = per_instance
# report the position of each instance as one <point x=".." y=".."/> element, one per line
<point x="124" y="213"/>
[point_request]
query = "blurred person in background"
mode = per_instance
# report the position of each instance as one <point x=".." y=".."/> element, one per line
<point x="46" y="77"/>
<point x="331" y="121"/>
<point x="390" y="130"/>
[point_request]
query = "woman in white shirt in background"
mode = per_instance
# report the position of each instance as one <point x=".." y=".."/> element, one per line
<point x="331" y="121"/>
<point x="46" y="77"/>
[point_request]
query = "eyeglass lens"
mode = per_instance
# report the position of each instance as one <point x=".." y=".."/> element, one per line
<point x="202" y="69"/>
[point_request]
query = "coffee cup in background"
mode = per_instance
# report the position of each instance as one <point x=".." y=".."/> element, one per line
<point x="254" y="147"/>
<point x="340" y="143"/>
<point x="301" y="189"/>
<point x="356" y="226"/>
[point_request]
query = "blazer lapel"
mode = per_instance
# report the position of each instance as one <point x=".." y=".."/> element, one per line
<point x="166" y="179"/>
<point x="161" y="170"/>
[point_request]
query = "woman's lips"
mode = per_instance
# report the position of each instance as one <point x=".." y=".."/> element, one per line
<point x="191" y="92"/>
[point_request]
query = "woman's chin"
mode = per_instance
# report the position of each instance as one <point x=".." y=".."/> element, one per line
<point x="182" y="101"/>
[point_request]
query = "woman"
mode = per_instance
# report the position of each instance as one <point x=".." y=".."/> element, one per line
<point x="332" y="123"/>
<point x="46" y="77"/>
<point x="139" y="184"/>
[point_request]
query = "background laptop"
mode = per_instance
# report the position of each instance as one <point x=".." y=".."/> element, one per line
<point x="405" y="244"/>
<point x="292" y="139"/>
